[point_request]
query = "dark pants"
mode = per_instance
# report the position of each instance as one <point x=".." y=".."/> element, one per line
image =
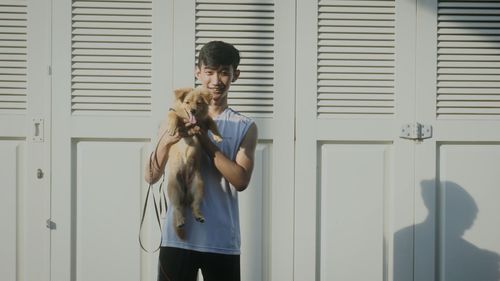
<point x="182" y="265"/>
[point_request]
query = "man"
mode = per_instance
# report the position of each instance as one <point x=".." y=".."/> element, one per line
<point x="212" y="246"/>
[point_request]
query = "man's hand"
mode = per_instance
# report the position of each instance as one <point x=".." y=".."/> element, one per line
<point x="185" y="129"/>
<point x="206" y="142"/>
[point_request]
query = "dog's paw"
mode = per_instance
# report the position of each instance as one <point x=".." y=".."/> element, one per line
<point x="198" y="215"/>
<point x="217" y="139"/>
<point x="180" y="223"/>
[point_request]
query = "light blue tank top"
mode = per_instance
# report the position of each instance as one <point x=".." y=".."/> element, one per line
<point x="220" y="233"/>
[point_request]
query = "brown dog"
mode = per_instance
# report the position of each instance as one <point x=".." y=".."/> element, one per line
<point x="185" y="185"/>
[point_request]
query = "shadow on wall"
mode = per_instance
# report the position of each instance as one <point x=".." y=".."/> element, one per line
<point x="459" y="260"/>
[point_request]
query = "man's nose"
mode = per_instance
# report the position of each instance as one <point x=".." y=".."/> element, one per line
<point x="215" y="79"/>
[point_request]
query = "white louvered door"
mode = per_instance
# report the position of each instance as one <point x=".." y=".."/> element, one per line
<point x="456" y="172"/>
<point x="356" y="88"/>
<point x="25" y="140"/>
<point x="263" y="31"/>
<point x="104" y="110"/>
<point x="250" y="26"/>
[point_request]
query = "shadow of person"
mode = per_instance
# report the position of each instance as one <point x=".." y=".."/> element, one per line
<point x="457" y="259"/>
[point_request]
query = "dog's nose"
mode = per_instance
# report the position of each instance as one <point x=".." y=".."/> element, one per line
<point x="193" y="111"/>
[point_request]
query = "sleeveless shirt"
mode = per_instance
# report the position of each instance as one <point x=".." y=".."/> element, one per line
<point x="220" y="233"/>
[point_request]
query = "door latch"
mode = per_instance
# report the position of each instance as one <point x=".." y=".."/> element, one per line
<point x="416" y="131"/>
<point x="38" y="130"/>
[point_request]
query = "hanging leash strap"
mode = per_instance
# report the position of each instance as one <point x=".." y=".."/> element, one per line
<point x="158" y="209"/>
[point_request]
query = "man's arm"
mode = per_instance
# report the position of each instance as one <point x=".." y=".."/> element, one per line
<point x="159" y="157"/>
<point x="237" y="172"/>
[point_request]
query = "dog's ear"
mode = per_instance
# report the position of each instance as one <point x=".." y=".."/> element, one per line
<point x="181" y="93"/>
<point x="207" y="96"/>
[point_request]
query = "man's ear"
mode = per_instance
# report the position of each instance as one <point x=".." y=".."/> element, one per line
<point x="236" y="75"/>
<point x="181" y="93"/>
<point x="197" y="72"/>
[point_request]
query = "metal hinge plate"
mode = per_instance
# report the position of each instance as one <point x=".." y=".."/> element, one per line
<point x="416" y="131"/>
<point x="50" y="224"/>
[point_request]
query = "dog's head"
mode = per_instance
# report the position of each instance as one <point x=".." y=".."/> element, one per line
<point x="194" y="103"/>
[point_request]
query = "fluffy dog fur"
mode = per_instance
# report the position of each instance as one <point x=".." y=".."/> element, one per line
<point x="185" y="185"/>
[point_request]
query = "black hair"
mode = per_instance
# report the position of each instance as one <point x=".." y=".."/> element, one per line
<point x="217" y="53"/>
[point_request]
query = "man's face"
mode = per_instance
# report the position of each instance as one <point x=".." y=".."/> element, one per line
<point x="217" y="80"/>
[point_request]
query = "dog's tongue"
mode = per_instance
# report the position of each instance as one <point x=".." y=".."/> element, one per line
<point x="192" y="119"/>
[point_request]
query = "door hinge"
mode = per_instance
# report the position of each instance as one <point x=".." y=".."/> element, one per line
<point x="50" y="224"/>
<point x="416" y="131"/>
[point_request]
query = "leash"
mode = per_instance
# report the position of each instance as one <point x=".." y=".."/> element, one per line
<point x="150" y="191"/>
<point x="158" y="209"/>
